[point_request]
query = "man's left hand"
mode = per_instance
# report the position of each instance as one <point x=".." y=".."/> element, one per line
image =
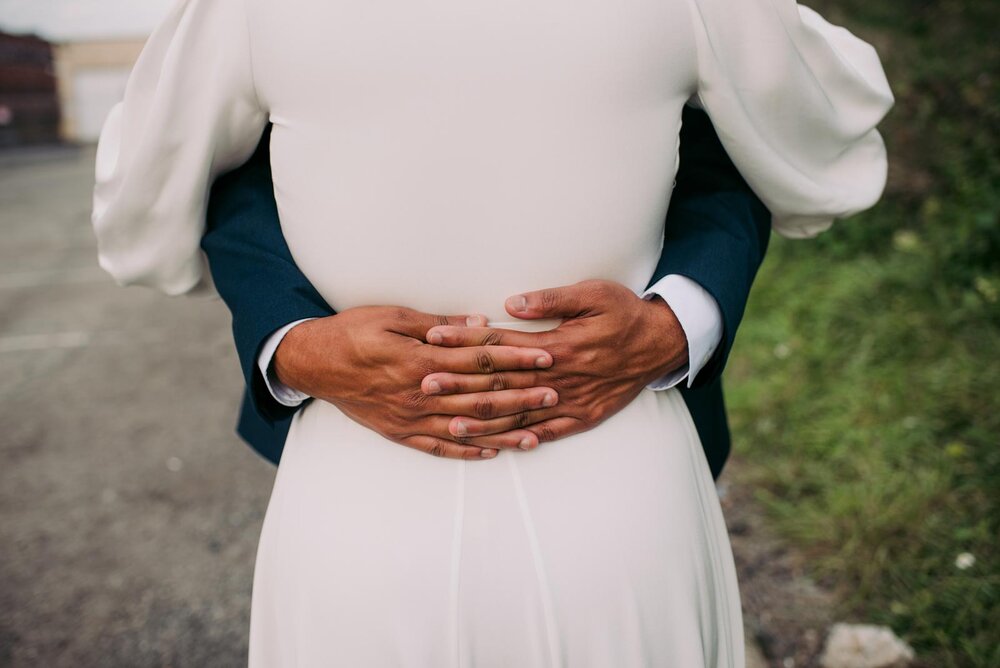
<point x="610" y="345"/>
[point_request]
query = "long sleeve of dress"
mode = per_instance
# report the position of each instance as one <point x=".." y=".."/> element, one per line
<point x="190" y="112"/>
<point x="796" y="102"/>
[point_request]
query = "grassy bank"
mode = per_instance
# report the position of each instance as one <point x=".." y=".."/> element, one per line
<point x="864" y="387"/>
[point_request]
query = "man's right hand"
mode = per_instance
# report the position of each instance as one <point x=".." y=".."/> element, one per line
<point x="370" y="361"/>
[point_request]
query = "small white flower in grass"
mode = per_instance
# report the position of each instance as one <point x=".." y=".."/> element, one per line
<point x="782" y="351"/>
<point x="965" y="561"/>
<point x="174" y="464"/>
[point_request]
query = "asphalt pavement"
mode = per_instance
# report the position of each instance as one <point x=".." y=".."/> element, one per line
<point x="129" y="509"/>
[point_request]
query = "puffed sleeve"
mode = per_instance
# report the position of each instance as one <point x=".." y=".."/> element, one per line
<point x="190" y="112"/>
<point x="796" y="102"/>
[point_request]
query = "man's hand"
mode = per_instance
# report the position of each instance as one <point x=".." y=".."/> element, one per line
<point x="609" y="347"/>
<point x="370" y="361"/>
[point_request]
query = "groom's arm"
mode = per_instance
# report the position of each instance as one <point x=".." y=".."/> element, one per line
<point x="716" y="233"/>
<point x="253" y="269"/>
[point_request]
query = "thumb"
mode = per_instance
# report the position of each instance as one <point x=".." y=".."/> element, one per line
<point x="566" y="302"/>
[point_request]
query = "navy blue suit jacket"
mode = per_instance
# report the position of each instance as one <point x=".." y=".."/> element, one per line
<point x="716" y="233"/>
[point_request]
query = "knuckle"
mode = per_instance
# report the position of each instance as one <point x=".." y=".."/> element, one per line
<point x="437" y="449"/>
<point x="485" y="362"/>
<point x="562" y="383"/>
<point x="424" y="366"/>
<point x="414" y="399"/>
<point x="546" y="434"/>
<point x="545" y="340"/>
<point x="493" y="338"/>
<point x="521" y="420"/>
<point x="441" y="319"/>
<point x="498" y="382"/>
<point x="484" y="409"/>
<point x="559" y="351"/>
<point x="588" y="358"/>
<point x="599" y="289"/>
<point x="593" y="415"/>
<point x="549" y="299"/>
<point x="396" y="434"/>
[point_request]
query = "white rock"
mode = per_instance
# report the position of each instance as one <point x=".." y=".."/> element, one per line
<point x="864" y="646"/>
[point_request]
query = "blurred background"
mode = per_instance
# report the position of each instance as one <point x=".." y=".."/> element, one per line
<point x="863" y="390"/>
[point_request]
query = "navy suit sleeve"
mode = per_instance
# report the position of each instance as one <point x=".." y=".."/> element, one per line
<point x="253" y="269"/>
<point x="716" y="231"/>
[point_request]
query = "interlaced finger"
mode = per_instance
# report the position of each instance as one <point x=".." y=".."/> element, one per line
<point x="556" y="428"/>
<point x="464" y="383"/>
<point x="489" y="405"/>
<point x="488" y="359"/>
<point x="454" y="337"/>
<point x="464" y="427"/>
<point x="440" y="447"/>
<point x="514" y="439"/>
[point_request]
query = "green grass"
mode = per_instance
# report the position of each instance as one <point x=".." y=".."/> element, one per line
<point x="865" y="383"/>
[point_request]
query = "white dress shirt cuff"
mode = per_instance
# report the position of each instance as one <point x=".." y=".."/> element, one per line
<point x="283" y="394"/>
<point x="700" y="318"/>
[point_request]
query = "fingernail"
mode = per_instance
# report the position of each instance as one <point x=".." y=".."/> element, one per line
<point x="525" y="443"/>
<point x="549" y="399"/>
<point x="434" y="338"/>
<point x="461" y="429"/>
<point x="433" y="387"/>
<point x="542" y="362"/>
<point x="489" y="453"/>
<point x="518" y="303"/>
<point x="475" y="321"/>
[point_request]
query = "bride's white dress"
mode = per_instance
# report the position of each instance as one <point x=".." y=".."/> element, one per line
<point x="443" y="155"/>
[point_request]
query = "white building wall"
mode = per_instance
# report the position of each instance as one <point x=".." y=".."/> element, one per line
<point x="92" y="78"/>
<point x="95" y="92"/>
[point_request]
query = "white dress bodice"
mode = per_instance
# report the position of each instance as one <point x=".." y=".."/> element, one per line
<point x="499" y="154"/>
<point x="503" y="146"/>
